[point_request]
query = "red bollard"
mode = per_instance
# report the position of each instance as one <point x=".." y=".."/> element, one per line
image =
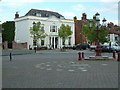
<point x="82" y="54"/>
<point x="118" y="56"/>
<point x="114" y="54"/>
<point x="79" y="56"/>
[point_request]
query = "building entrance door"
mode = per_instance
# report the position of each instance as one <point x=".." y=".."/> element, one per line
<point x="54" y="42"/>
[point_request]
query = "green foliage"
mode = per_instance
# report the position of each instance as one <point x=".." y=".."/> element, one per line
<point x="36" y="32"/>
<point x="91" y="33"/>
<point x="64" y="31"/>
<point x="8" y="33"/>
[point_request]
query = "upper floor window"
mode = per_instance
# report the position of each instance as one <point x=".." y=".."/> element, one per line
<point x="53" y="28"/>
<point x="42" y="26"/>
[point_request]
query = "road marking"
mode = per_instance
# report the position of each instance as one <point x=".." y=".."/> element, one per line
<point x="104" y="64"/>
<point x="84" y="70"/>
<point x="48" y="65"/>
<point x="70" y="70"/>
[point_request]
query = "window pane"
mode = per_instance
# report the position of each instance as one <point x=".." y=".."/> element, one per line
<point x="53" y="28"/>
<point x="42" y="26"/>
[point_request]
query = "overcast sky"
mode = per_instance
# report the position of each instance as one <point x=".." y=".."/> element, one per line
<point x="68" y="8"/>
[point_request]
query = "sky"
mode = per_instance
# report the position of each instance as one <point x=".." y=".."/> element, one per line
<point x="68" y="8"/>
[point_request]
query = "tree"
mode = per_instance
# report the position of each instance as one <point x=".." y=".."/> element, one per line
<point x="8" y="33"/>
<point x="90" y="33"/>
<point x="36" y="32"/>
<point x="64" y="32"/>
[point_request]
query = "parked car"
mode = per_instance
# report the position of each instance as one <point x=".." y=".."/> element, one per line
<point x="107" y="49"/>
<point x="81" y="46"/>
<point x="92" y="47"/>
<point x="113" y="45"/>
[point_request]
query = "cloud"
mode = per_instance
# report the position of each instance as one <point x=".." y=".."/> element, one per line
<point x="33" y="1"/>
<point x="107" y="8"/>
<point x="17" y="3"/>
<point x="114" y="21"/>
<point x="100" y="9"/>
<point x="68" y="14"/>
<point x="22" y="1"/>
<point x="109" y="0"/>
<point x="79" y="7"/>
<point x="48" y="9"/>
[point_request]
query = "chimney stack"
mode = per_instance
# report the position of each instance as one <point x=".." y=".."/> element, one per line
<point x="75" y="18"/>
<point x="94" y="17"/>
<point x="16" y="15"/>
<point x="84" y="16"/>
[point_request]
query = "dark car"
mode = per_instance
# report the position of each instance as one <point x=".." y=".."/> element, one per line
<point x="107" y="49"/>
<point x="81" y="46"/>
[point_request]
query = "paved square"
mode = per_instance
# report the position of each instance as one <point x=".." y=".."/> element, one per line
<point x="54" y="69"/>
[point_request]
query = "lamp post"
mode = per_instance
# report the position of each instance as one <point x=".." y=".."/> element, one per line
<point x="34" y="38"/>
<point x="98" y="49"/>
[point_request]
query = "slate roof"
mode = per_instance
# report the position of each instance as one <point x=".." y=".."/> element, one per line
<point x="43" y="13"/>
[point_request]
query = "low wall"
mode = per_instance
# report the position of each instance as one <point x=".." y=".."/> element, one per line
<point x="19" y="45"/>
<point x="16" y="45"/>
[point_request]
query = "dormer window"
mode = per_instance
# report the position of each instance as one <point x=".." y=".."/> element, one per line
<point x="38" y="14"/>
<point x="46" y="15"/>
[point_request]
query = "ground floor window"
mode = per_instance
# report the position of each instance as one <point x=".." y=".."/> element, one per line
<point x="69" y="41"/>
<point x="63" y="42"/>
<point x="42" y="41"/>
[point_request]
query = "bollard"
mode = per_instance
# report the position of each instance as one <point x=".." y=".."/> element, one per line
<point x="10" y="56"/>
<point x="79" y="56"/>
<point x="82" y="54"/>
<point x="114" y="54"/>
<point x="118" y="56"/>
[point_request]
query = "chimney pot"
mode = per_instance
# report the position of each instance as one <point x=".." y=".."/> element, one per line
<point x="16" y="15"/>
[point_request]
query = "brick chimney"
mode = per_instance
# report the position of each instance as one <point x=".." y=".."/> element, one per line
<point x="16" y="15"/>
<point x="94" y="17"/>
<point x="84" y="16"/>
<point x="75" y="18"/>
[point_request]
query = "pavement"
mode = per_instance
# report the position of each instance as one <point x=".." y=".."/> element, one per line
<point x="16" y="52"/>
<point x="56" y="69"/>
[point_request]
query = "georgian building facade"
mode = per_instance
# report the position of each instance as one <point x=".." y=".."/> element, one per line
<point x="50" y="22"/>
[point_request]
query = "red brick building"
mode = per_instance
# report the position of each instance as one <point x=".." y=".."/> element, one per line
<point x="80" y="38"/>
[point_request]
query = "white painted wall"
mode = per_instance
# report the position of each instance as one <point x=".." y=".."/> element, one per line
<point x="112" y="37"/>
<point x="23" y="24"/>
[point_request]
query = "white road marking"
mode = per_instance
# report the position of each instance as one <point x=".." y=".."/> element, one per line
<point x="84" y="70"/>
<point x="70" y="70"/>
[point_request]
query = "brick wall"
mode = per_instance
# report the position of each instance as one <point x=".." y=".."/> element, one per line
<point x="18" y="45"/>
<point x="15" y="45"/>
<point x="79" y="37"/>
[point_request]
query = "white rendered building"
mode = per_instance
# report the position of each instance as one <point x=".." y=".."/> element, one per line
<point x="119" y="13"/>
<point x="50" y="22"/>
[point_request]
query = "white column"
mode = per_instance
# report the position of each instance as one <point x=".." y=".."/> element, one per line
<point x="54" y="42"/>
<point x="51" y="42"/>
<point x="58" y="42"/>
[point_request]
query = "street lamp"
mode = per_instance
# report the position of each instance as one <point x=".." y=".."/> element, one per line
<point x="34" y="38"/>
<point x="98" y="48"/>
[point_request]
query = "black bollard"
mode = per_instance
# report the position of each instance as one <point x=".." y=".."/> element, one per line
<point x="10" y="56"/>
